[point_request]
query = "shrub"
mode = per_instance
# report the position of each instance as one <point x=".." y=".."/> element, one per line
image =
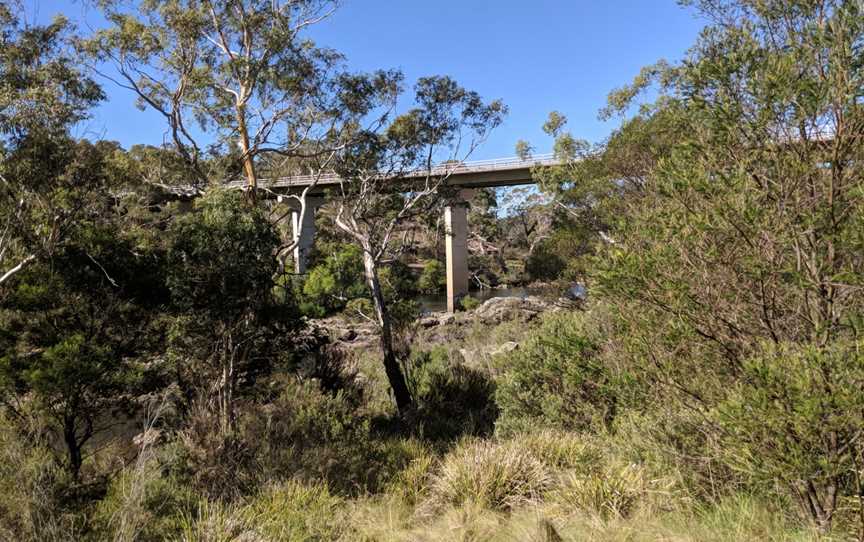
<point x="795" y="418"/>
<point x="544" y="263"/>
<point x="497" y="476"/>
<point x="315" y="436"/>
<point x="433" y="278"/>
<point x="557" y="379"/>
<point x="144" y="502"/>
<point x="469" y="303"/>
<point x="451" y="399"/>
<point x="217" y="465"/>
<point x="333" y="282"/>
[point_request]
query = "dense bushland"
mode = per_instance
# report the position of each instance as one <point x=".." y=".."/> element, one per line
<point x="160" y="378"/>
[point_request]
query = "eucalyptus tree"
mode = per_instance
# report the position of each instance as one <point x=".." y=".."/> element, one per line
<point x="389" y="176"/>
<point x="239" y="78"/>
<point x="44" y="182"/>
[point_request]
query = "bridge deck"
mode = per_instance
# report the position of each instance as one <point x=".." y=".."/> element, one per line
<point x="484" y="173"/>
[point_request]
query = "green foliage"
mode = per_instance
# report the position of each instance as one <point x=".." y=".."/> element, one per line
<point x="227" y="326"/>
<point x="296" y="512"/>
<point x="73" y="332"/>
<point x="795" y="417"/>
<point x="561" y="255"/>
<point x="302" y="88"/>
<point x="335" y="282"/>
<point x="545" y="262"/>
<point x="43" y="88"/>
<point x="338" y="283"/>
<point x="34" y="488"/>
<point x="433" y="279"/>
<point x="712" y="248"/>
<point x="220" y="258"/>
<point x="469" y="303"/>
<point x="145" y="501"/>
<point x="613" y="492"/>
<point x="451" y="400"/>
<point x="558" y="379"/>
<point x="49" y="181"/>
<point x="304" y="433"/>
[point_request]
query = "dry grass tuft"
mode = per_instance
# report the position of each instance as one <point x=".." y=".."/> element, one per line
<point x="499" y="476"/>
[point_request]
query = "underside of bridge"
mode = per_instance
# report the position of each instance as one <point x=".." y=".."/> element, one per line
<point x="464" y="177"/>
<point x="456" y="230"/>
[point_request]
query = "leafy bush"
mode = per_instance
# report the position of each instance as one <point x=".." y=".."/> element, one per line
<point x="470" y="303"/>
<point x="497" y="476"/>
<point x="334" y="282"/>
<point x="433" y="278"/>
<point x="451" y="399"/>
<point x="545" y="263"/>
<point x="562" y="255"/>
<point x="557" y="379"/>
<point x="796" y="417"/>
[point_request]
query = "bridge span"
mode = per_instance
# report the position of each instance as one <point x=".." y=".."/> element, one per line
<point x="464" y="176"/>
<point x="511" y="171"/>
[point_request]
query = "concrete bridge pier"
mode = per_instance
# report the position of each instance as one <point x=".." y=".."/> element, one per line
<point x="304" y="232"/>
<point x="456" y="229"/>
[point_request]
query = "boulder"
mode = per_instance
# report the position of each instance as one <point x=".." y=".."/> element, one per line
<point x="500" y="309"/>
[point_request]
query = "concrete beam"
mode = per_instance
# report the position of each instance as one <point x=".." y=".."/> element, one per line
<point x="456" y="228"/>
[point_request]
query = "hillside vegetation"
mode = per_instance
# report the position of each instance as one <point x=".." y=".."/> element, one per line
<point x="164" y="374"/>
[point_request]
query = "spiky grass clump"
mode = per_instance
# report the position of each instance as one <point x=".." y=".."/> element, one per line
<point x="295" y="511"/>
<point x="560" y="450"/>
<point x="498" y="476"/>
<point x="610" y="493"/>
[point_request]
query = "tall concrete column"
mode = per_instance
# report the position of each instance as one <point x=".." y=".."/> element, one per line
<point x="304" y="233"/>
<point x="456" y="227"/>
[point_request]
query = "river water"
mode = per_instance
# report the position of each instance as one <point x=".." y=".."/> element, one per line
<point x="438" y="303"/>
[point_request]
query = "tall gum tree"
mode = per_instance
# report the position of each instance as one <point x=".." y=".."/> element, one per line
<point x="446" y="125"/>
<point x="238" y="77"/>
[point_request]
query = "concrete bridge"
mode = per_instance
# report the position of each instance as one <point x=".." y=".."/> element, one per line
<point x="463" y="176"/>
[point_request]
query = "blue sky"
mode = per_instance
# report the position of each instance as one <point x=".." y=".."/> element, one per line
<point x="537" y="56"/>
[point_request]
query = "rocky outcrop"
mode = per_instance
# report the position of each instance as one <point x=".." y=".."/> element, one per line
<point x="500" y="309"/>
<point x="438" y="327"/>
